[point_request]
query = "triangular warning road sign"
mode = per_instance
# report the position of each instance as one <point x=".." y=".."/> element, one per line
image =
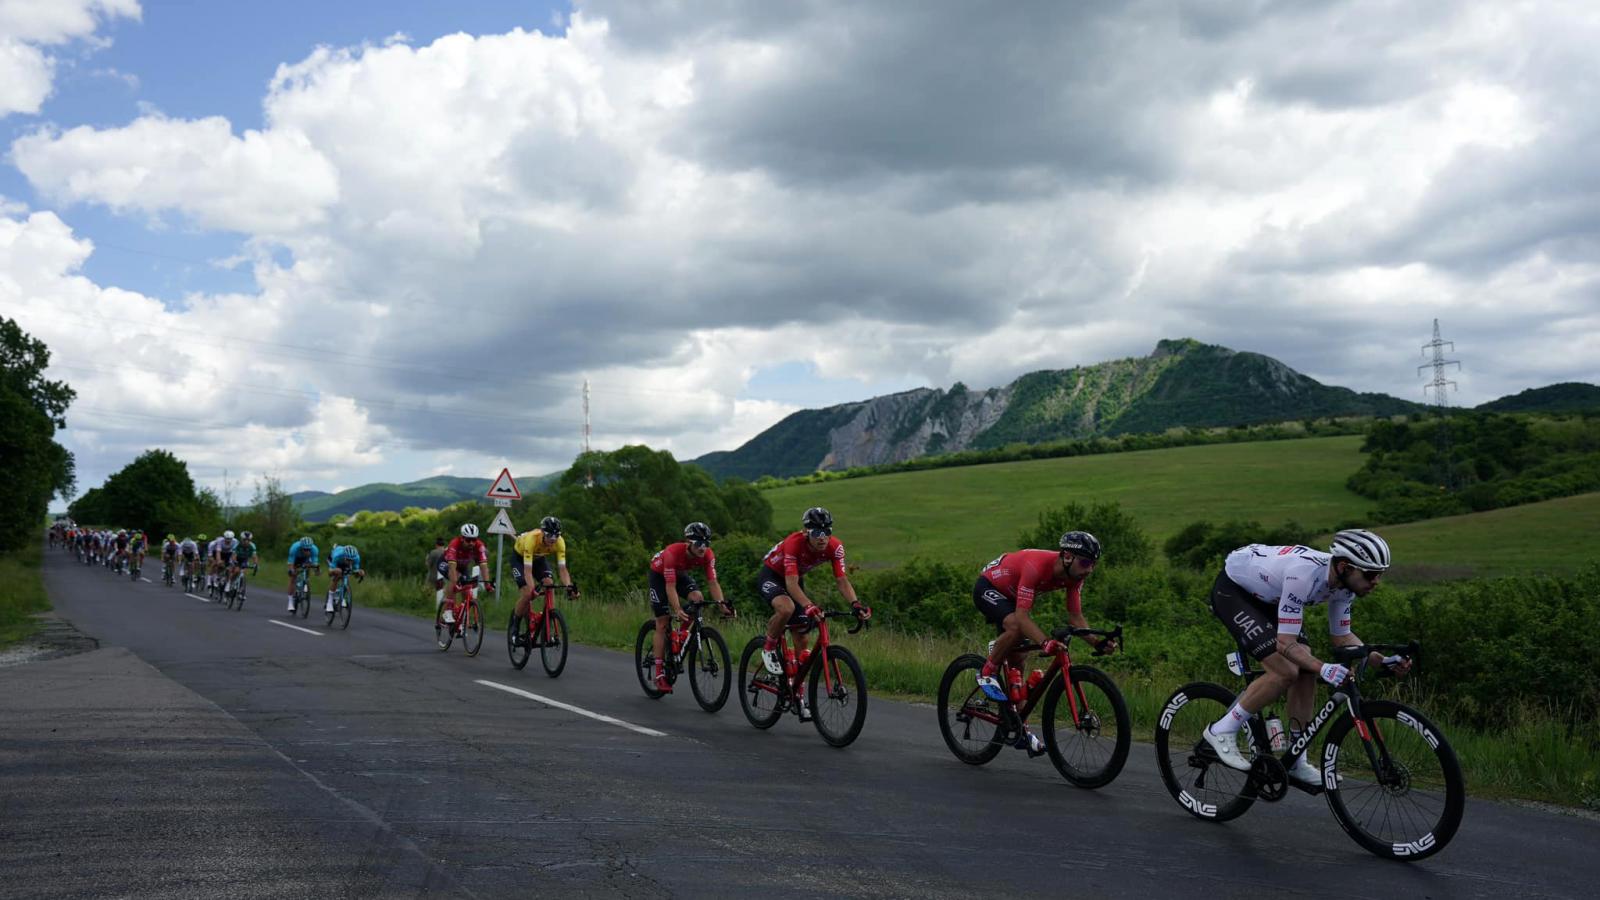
<point x="502" y="524"/>
<point x="504" y="488"/>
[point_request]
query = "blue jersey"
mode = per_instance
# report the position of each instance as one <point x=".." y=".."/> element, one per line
<point x="341" y="554"/>
<point x="305" y="551"/>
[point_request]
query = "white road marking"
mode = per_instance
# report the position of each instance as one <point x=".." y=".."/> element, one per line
<point x="145" y="580"/>
<point x="193" y="597"/>
<point x="570" y="708"/>
<point x="295" y="627"/>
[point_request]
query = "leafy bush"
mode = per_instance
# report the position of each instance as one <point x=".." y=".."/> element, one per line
<point x="1201" y="545"/>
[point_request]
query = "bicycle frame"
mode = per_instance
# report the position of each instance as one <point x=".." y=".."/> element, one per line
<point x="467" y="592"/>
<point x="802" y="672"/>
<point x="1061" y="663"/>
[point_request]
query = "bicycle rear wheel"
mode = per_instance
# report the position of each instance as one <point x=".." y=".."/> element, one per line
<point x="1090" y="752"/>
<point x="472" y="628"/>
<point x="1411" y="806"/>
<point x="519" y="643"/>
<point x="553" y="647"/>
<point x="839" y="700"/>
<point x="239" y="601"/>
<point x="1204" y="785"/>
<point x="970" y="722"/>
<point x="710" y="675"/>
<point x="760" y="691"/>
<point x="644" y="659"/>
<point x="342" y="602"/>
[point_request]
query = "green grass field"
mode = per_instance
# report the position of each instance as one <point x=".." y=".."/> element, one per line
<point x="972" y="513"/>
<point x="1554" y="537"/>
<point x="21" y="594"/>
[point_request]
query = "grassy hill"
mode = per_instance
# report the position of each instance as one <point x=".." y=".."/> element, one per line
<point x="1568" y="396"/>
<point x="971" y="514"/>
<point x="1555" y="537"/>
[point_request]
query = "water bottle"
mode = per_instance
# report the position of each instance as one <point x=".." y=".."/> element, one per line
<point x="1275" y="733"/>
<point x="1017" y="691"/>
<point x="677" y="640"/>
<point x="805" y="656"/>
<point x="1034" y="677"/>
<point x="788" y="661"/>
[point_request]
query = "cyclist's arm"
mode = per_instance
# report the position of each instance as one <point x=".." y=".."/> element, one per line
<point x="566" y="576"/>
<point x="1029" y="628"/>
<point x="791" y="586"/>
<point x="714" y="588"/>
<point x="847" y="590"/>
<point x="672" y="598"/>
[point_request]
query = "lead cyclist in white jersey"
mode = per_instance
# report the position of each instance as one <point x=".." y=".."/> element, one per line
<point x="1261" y="596"/>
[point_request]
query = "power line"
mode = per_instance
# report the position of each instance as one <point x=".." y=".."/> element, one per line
<point x="1440" y="397"/>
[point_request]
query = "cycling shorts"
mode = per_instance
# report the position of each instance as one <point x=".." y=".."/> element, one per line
<point x="539" y="569"/>
<point x="992" y="602"/>
<point x="770" y="585"/>
<point x="463" y="570"/>
<point x="225" y="557"/>
<point x="1254" y="626"/>
<point x="685" y="584"/>
<point x="345" y="565"/>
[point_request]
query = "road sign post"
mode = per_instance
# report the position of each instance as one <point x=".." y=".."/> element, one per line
<point x="501" y="526"/>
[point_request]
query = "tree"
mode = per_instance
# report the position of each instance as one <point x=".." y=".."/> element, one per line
<point x="154" y="492"/>
<point x="31" y="409"/>
<point x="272" y="513"/>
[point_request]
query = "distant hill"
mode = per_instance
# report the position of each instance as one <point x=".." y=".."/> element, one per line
<point x="1567" y="396"/>
<point x="1182" y="383"/>
<point x="435" y="492"/>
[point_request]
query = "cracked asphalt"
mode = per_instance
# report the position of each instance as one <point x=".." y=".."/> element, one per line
<point x="200" y="752"/>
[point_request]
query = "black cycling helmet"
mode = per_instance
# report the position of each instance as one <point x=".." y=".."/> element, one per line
<point x="817" y="519"/>
<point x="550" y="525"/>
<point x="1081" y="543"/>
<point x="697" y="533"/>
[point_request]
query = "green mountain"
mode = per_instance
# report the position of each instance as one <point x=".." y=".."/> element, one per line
<point x="436" y="492"/>
<point x="1182" y="383"/>
<point x="1567" y="396"/>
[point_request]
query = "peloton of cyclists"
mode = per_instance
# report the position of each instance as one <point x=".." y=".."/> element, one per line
<point x="1261" y="596"/>
<point x="531" y="571"/>
<point x="671" y="581"/>
<point x="1005" y="593"/>
<point x="302" y="554"/>
<point x="781" y="582"/>
<point x="342" y="562"/>
<point x="465" y="556"/>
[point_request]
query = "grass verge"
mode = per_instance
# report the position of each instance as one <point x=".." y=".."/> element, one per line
<point x="1536" y="757"/>
<point x="21" y="594"/>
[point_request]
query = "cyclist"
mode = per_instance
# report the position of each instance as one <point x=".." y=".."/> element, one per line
<point x="531" y="571"/>
<point x="465" y="556"/>
<point x="341" y="562"/>
<point x="781" y="582"/>
<point x="189" y="551"/>
<point x="1005" y="593"/>
<point x="169" y="555"/>
<point x="1260" y="597"/>
<point x="244" y="553"/>
<point x="137" y="541"/>
<point x="670" y="580"/>
<point x="302" y="553"/>
<point x="120" y="546"/>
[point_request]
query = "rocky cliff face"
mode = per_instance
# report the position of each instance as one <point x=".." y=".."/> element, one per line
<point x="913" y="423"/>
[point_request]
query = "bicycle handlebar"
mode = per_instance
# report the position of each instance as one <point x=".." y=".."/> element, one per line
<point x="1362" y="655"/>
<point x="1065" y="632"/>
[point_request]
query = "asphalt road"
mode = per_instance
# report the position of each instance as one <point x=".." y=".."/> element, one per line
<point x="203" y="752"/>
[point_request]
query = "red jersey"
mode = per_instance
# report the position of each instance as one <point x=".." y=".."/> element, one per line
<point x="676" y="557"/>
<point x="793" y="556"/>
<point x="459" y="552"/>
<point x="1023" y="574"/>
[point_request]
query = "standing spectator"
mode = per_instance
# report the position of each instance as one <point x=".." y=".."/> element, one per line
<point x="434" y="555"/>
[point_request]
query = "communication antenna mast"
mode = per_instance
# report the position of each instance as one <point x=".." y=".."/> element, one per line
<point x="589" y="477"/>
<point x="1439" y="364"/>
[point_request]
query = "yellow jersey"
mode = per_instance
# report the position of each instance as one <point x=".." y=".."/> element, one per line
<point x="532" y="543"/>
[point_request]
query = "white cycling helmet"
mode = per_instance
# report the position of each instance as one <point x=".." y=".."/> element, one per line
<point x="228" y="535"/>
<point x="469" y="530"/>
<point x="1362" y="548"/>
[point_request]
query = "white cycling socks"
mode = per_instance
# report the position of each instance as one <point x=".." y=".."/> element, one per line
<point x="1231" y="722"/>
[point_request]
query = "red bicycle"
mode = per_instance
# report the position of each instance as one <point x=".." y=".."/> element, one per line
<point x="836" y="690"/>
<point x="548" y="633"/>
<point x="1087" y="737"/>
<point x="466" y="617"/>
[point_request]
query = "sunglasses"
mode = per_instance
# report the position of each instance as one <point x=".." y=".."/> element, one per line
<point x="818" y="532"/>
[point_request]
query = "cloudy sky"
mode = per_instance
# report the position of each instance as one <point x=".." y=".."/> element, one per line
<point x="377" y="241"/>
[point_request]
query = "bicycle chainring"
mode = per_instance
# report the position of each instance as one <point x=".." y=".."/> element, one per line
<point x="1269" y="777"/>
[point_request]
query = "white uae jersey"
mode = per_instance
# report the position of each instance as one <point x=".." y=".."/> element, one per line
<point x="1290" y="578"/>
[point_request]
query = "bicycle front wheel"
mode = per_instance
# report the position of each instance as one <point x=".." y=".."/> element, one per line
<point x="472" y="628"/>
<point x="710" y="676"/>
<point x="341" y="607"/>
<point x="1205" y="786"/>
<point x="970" y="722"/>
<point x="443" y="632"/>
<point x="553" y="650"/>
<point x="519" y="643"/>
<point x="838" y="694"/>
<point x="1091" y="751"/>
<point x="760" y="691"/>
<point x="1410" y="805"/>
<point x="644" y="659"/>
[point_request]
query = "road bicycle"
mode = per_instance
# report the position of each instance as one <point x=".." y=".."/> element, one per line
<point x="340" y="612"/>
<point x="696" y="648"/>
<point x="836" y="690"/>
<point x="166" y="571"/>
<point x="134" y="568"/>
<point x="233" y="593"/>
<point x="302" y="590"/>
<point x="466" y="615"/>
<point x="1087" y="737"/>
<point x="191" y="578"/>
<point x="549" y="634"/>
<point x="1391" y="779"/>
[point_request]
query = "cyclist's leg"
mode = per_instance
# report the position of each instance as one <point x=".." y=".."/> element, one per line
<point x="661" y="608"/>
<point x="1254" y="627"/>
<point x="524" y="589"/>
